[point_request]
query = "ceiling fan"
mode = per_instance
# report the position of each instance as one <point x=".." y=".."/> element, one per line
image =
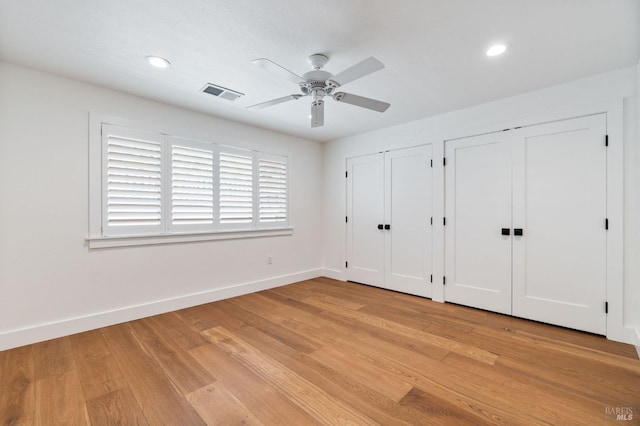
<point x="319" y="83"/>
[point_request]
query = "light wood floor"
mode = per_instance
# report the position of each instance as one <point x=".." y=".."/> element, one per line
<point x="322" y="352"/>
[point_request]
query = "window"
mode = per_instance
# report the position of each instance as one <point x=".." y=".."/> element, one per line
<point x="154" y="184"/>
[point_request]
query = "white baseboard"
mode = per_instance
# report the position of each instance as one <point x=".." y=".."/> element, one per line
<point x="333" y="274"/>
<point x="629" y="335"/>
<point x="41" y="332"/>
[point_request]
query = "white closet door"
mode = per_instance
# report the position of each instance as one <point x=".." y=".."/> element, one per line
<point x="408" y="242"/>
<point x="559" y="262"/>
<point x="478" y="206"/>
<point x="365" y="211"/>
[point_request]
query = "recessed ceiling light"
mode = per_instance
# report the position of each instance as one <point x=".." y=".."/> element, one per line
<point x="496" y="49"/>
<point x="158" y="62"/>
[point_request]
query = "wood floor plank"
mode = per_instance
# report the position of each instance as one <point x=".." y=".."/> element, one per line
<point x="440" y="410"/>
<point x="451" y="345"/>
<point x="375" y="335"/>
<point x="301" y="343"/>
<point x="559" y="368"/>
<point x="356" y="394"/>
<point x="116" y="408"/>
<point x="328" y="328"/>
<point x="287" y="300"/>
<point x="281" y="313"/>
<point x="450" y="384"/>
<point x="17" y="386"/>
<point x="547" y="401"/>
<point x="266" y="403"/>
<point x="98" y="371"/>
<point x="53" y="358"/>
<point x="389" y="385"/>
<point x="177" y="364"/>
<point x="194" y="317"/>
<point x="158" y="398"/>
<point x="303" y="393"/>
<point x="335" y="333"/>
<point x="406" y="318"/>
<point x="217" y="406"/>
<point x="60" y="400"/>
<point x="617" y="361"/>
<point x="176" y="331"/>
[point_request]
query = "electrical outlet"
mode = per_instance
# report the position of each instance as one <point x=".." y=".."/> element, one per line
<point x="269" y="260"/>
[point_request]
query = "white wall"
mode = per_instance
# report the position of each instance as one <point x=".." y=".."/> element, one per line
<point x="526" y="108"/>
<point x="51" y="284"/>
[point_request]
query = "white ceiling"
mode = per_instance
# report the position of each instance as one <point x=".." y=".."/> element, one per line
<point x="433" y="50"/>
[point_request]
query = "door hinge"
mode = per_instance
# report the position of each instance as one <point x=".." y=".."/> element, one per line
<point x="444" y="280"/>
<point x="346" y="174"/>
<point x="346" y="264"/>
<point x="606" y="140"/>
<point x="606" y="224"/>
<point x="444" y="221"/>
<point x="346" y="219"/>
<point x="444" y="161"/>
<point x="606" y="307"/>
<point x="431" y="278"/>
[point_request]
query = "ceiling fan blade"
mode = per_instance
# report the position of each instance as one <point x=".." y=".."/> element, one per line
<point x="279" y="70"/>
<point x="361" y="101"/>
<point x="275" y="102"/>
<point x="366" y="67"/>
<point x="317" y="113"/>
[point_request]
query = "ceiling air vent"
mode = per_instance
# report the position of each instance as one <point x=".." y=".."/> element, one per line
<point x="221" y="92"/>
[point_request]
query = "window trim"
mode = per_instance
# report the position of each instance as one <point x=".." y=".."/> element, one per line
<point x="145" y="240"/>
<point x="97" y="159"/>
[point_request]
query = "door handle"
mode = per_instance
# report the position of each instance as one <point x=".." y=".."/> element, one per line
<point x="506" y="231"/>
<point x="380" y="226"/>
<point x="387" y="227"/>
<point x="517" y="231"/>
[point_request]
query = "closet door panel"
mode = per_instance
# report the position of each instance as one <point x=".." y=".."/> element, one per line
<point x="478" y="205"/>
<point x="365" y="210"/>
<point x="408" y="242"/>
<point x="560" y="188"/>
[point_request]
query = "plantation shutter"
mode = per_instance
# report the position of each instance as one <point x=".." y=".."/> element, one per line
<point x="236" y="188"/>
<point x="272" y="190"/>
<point x="192" y="186"/>
<point x="132" y="182"/>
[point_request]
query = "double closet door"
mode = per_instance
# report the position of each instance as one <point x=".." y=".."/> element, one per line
<point x="526" y="222"/>
<point x="389" y="209"/>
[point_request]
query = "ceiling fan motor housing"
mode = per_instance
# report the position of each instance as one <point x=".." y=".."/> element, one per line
<point x="316" y="79"/>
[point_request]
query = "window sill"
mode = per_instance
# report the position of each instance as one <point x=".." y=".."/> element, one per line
<point x="143" y="240"/>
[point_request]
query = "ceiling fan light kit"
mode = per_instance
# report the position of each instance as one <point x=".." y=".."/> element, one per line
<point x="318" y="83"/>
